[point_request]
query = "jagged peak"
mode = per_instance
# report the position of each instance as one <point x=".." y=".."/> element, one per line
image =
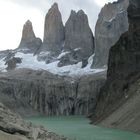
<point x="112" y="9"/>
<point x="27" y="32"/>
<point x="53" y="30"/>
<point x="28" y="22"/>
<point x="73" y="12"/>
<point x="54" y="6"/>
<point x="115" y="2"/>
<point x="54" y="9"/>
<point x="78" y="13"/>
<point x="81" y="12"/>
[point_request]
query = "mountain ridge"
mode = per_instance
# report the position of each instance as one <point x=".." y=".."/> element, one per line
<point x="64" y="50"/>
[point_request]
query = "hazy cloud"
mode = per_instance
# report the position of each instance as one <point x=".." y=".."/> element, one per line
<point x="89" y="6"/>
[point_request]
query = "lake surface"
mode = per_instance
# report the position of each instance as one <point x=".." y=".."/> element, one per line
<point x="78" y="127"/>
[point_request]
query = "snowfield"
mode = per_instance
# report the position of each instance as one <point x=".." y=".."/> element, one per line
<point x="30" y="61"/>
<point x="2" y="65"/>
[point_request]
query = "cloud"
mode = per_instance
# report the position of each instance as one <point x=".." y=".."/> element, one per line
<point x="65" y="6"/>
<point x="91" y="7"/>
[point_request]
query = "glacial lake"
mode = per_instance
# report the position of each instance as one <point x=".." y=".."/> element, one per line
<point x="78" y="128"/>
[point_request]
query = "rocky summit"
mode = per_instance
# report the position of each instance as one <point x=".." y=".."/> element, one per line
<point x="53" y="32"/>
<point x="29" y="43"/>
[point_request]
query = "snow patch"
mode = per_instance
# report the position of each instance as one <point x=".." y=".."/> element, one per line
<point x="111" y="19"/>
<point x="44" y="53"/>
<point x="2" y="65"/>
<point x="62" y="54"/>
<point x="30" y="61"/>
<point x="77" y="49"/>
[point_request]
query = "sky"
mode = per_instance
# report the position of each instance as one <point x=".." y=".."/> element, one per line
<point x="14" y="13"/>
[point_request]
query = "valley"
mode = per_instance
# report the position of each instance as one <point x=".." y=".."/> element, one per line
<point x="74" y="83"/>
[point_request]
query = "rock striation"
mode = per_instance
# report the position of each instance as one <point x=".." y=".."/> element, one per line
<point x="53" y="31"/>
<point x="13" y="127"/>
<point x="27" y="91"/>
<point x="29" y="42"/>
<point x="111" y="23"/>
<point x="121" y="90"/>
<point x="79" y="41"/>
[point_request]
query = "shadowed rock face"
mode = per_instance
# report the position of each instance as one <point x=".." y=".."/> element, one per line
<point x="125" y="55"/>
<point x="79" y="40"/>
<point x="29" y="42"/>
<point x="53" y="31"/>
<point x="112" y="22"/>
<point x="48" y="94"/>
<point x="123" y="73"/>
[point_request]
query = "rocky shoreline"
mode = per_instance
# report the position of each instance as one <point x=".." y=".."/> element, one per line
<point x="13" y="127"/>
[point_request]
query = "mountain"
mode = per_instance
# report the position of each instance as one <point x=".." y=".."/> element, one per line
<point x="119" y="100"/>
<point x="111" y="23"/>
<point x="29" y="42"/>
<point x="52" y="77"/>
<point x="65" y="50"/>
<point x="53" y="32"/>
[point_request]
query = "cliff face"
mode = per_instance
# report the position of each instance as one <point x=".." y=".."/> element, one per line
<point x="70" y="44"/>
<point x="111" y="23"/>
<point x="53" y="31"/>
<point x="12" y="127"/>
<point x="79" y="40"/>
<point x="29" y="42"/>
<point x="123" y="76"/>
<point x="26" y="90"/>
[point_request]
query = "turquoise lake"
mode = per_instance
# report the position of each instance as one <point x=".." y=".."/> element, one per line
<point x="78" y="127"/>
